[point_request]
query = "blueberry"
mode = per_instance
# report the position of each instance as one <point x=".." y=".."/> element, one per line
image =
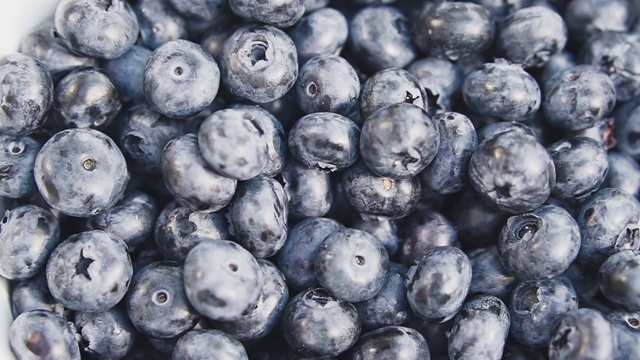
<point x="89" y="271"/>
<point x="277" y="13"/>
<point x="385" y="231"/>
<point x="391" y="86"/>
<point x="478" y="224"/>
<point x="214" y="267"/>
<point x="489" y="275"/>
<point x="323" y="31"/>
<point x="624" y="173"/>
<point x="107" y="334"/>
<point x="97" y="28"/>
<point x="582" y="331"/>
<point x="198" y="344"/>
<point x="559" y="62"/>
<point x="627" y="129"/>
<point x="81" y="172"/>
<point x="40" y="334"/>
<point x="617" y="278"/>
<point x="127" y="73"/>
<point x="33" y="294"/>
<point x="313" y="5"/>
<point x="207" y="10"/>
<point x="259" y="63"/>
<point x="17" y="159"/>
<point x="422" y="231"/>
<point x="625" y="325"/>
<point x="180" y="79"/>
<point x="391" y="342"/>
<point x="308" y="190"/>
<point x="216" y="34"/>
<point x="441" y="80"/>
<point x="592" y="17"/>
<point x="159" y="23"/>
<point x="502" y="8"/>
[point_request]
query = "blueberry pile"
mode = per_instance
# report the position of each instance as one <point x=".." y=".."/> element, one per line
<point x="306" y="179"/>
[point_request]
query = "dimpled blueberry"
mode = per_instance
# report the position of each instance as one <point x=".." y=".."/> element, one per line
<point x="624" y="173"/>
<point x="33" y="294"/>
<point x="181" y="78"/>
<point x="81" y="172"/>
<point x="127" y="73"/>
<point x="480" y="329"/>
<point x="233" y="144"/>
<point x="619" y="277"/>
<point x="488" y="274"/>
<point x="89" y="271"/>
<point x="41" y="334"/>
<point x="325" y="141"/>
<point x="424" y="230"/>
<point x="308" y="190"/>
<point x="259" y="63"/>
<point x="323" y="31"/>
<point x="201" y="9"/>
<point x="512" y="171"/>
<point x="281" y="13"/>
<point x="198" y="344"/>
<point x="439" y="283"/>
<point x="27" y="94"/>
<point x="17" y="158"/>
<point x="159" y="23"/>
<point x="469" y="29"/>
<point x="391" y="343"/>
<point x="441" y="80"/>
<point x="222" y="280"/>
<point x="97" y="28"/>
<point x="108" y="334"/>
<point x="501" y="90"/>
<point x="582" y="333"/>
<point x="391" y="86"/>
<point x="385" y="231"/>
<point x="626" y="328"/>
<point x="318" y="325"/>
<point x="190" y="179"/>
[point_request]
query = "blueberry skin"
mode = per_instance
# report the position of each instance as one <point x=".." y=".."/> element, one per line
<point x="618" y="279"/>
<point x="380" y="38"/>
<point x="214" y="267"/>
<point x="233" y="145"/>
<point x="489" y="275"/>
<point x="391" y="86"/>
<point x="439" y="283"/>
<point x="89" y="271"/>
<point x="608" y="222"/>
<point x="512" y="171"/>
<point x="28" y="234"/>
<point x="216" y="34"/>
<point x="536" y="307"/>
<point x="17" y="159"/>
<point x="27" y="94"/>
<point x="503" y="8"/>
<point x="317" y="325"/>
<point x="323" y="31"/>
<point x="470" y="29"/>
<point x="391" y="343"/>
<point x="308" y="190"/>
<point x="313" y="5"/>
<point x="264" y="318"/>
<point x="277" y="13"/>
<point x="198" y="344"/>
<point x="33" y="294"/>
<point x="97" y="29"/>
<point x="422" y="231"/>
<point x="625" y="327"/>
<point x="201" y="9"/>
<point x="448" y="171"/>
<point x="624" y="173"/>
<point x="559" y="62"/>
<point x="127" y="73"/>
<point x="495" y="128"/>
<point x="501" y="90"/>
<point x="539" y="244"/>
<point x="258" y="216"/>
<point x="159" y="23"/>
<point x="582" y="333"/>
<point x="351" y="265"/>
<point x="108" y="334"/>
<point x="480" y="329"/>
<point x="325" y="141"/>
<point x="296" y="257"/>
<point x="41" y="334"/>
<point x="74" y="158"/>
<point x="531" y="35"/>
<point x="390" y="305"/>
<point x="142" y="134"/>
<point x="259" y="63"/>
<point x="385" y="231"/>
<point x="86" y="98"/>
<point x="593" y="17"/>
<point x="180" y="79"/>
<point x="441" y="80"/>
<point x="380" y="198"/>
<point x="578" y="98"/>
<point x="478" y="224"/>
<point x="190" y="179"/>
<point x="581" y="165"/>
<point x="627" y="129"/>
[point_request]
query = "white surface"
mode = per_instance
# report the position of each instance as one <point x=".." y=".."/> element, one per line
<point x="18" y="18"/>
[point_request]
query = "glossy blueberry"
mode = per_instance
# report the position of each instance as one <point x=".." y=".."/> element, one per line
<point x="266" y="314"/>
<point x="624" y="173"/>
<point x="190" y="179"/>
<point x="470" y="29"/>
<point x="296" y="257"/>
<point x="201" y="9"/>
<point x="33" y="294"/>
<point x="385" y="231"/>
<point x="501" y="90"/>
<point x="438" y="284"/>
<point x="258" y="216"/>
<point x="127" y="73"/>
<point x="618" y="279"/>
<point x="422" y="231"/>
<point x="17" y="158"/>
<point x="277" y="13"/>
<point x="480" y="329"/>
<point x="180" y="79"/>
<point x="323" y="31"/>
<point x="211" y="269"/>
<point x="159" y="23"/>
<point x="441" y="80"/>
<point x="592" y="17"/>
<point x="489" y="275"/>
<point x="259" y="63"/>
<point x="317" y="325"/>
<point x="81" y="172"/>
<point x="582" y="331"/>
<point x="107" y="334"/>
<point x="391" y="86"/>
<point x="41" y="334"/>
<point x="512" y="171"/>
<point x="86" y="98"/>
<point x="89" y="271"/>
<point x="198" y="344"/>
<point x="308" y="190"/>
<point x="28" y="234"/>
<point x="325" y="141"/>
<point x="380" y="38"/>
<point x="478" y="224"/>
<point x="391" y="343"/>
<point x="97" y="28"/>
<point x="27" y="94"/>
<point x="626" y="328"/>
